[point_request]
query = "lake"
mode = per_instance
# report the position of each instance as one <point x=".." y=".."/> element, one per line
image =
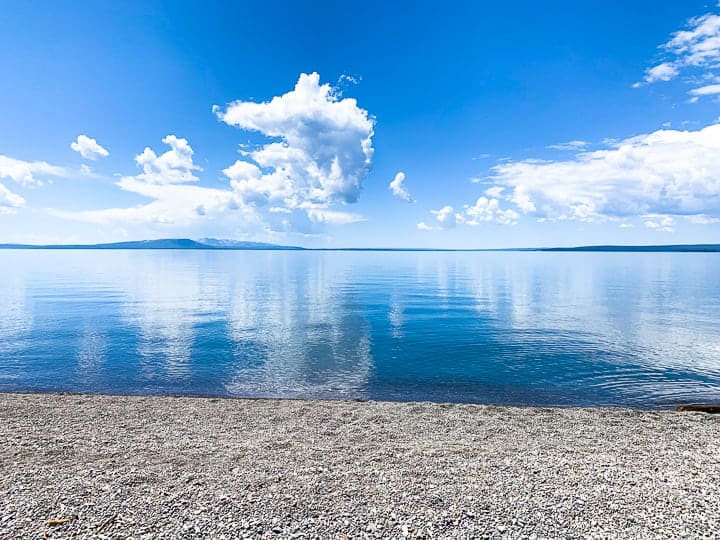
<point x="531" y="328"/>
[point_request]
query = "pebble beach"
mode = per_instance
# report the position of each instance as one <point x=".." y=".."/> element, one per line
<point x="171" y="467"/>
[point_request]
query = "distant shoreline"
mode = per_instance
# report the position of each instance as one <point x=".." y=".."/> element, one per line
<point x="169" y="466"/>
<point x="232" y="245"/>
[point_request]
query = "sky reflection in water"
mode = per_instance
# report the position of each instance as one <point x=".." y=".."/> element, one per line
<point x="522" y="328"/>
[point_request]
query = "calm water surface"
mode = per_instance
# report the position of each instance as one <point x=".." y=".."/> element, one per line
<point x="630" y="329"/>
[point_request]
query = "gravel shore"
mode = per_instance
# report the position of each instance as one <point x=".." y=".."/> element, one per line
<point x="147" y="467"/>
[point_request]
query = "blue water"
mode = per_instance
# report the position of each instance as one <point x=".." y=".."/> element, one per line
<point x="631" y="329"/>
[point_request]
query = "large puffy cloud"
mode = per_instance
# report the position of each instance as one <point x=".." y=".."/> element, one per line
<point x="657" y="178"/>
<point x="168" y="180"/>
<point x="317" y="156"/>
<point x="26" y="172"/>
<point x="88" y="147"/>
<point x="323" y="153"/>
<point x="666" y="173"/>
<point x="9" y="201"/>
<point x="176" y="201"/>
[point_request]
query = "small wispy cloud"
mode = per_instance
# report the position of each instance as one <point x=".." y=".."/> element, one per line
<point x="349" y="79"/>
<point x="88" y="148"/>
<point x="708" y="90"/>
<point x="662" y="72"/>
<point x="397" y="187"/>
<point x="27" y="173"/>
<point x="702" y="219"/>
<point x="333" y="217"/>
<point x="695" y="49"/>
<point x="9" y="201"/>
<point x="446" y="217"/>
<point x="660" y="223"/>
<point x="422" y="226"/>
<point x="570" y="145"/>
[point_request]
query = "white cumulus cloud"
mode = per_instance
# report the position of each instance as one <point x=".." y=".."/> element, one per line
<point x="662" y="72"/>
<point x="488" y="210"/>
<point x="483" y="210"/>
<point x="169" y="180"/>
<point x="396" y="186"/>
<point x="446" y="217"/>
<point x="422" y="226"/>
<point x="699" y="44"/>
<point x="321" y="153"/>
<point x="175" y="166"/>
<point x="656" y="177"/>
<point x="660" y="223"/>
<point x="165" y="181"/>
<point x="666" y="172"/>
<point x="317" y="154"/>
<point x="25" y="172"/>
<point x="88" y="147"/>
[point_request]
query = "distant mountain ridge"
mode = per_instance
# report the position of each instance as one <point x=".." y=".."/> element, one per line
<point x="643" y="249"/>
<point x="163" y="243"/>
<point x="239" y="245"/>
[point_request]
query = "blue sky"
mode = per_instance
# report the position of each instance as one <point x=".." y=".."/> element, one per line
<point x="564" y="123"/>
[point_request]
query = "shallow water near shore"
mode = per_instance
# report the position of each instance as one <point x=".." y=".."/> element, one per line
<point x="529" y="328"/>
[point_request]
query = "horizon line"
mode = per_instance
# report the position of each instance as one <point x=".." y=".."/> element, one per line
<point x="187" y="244"/>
